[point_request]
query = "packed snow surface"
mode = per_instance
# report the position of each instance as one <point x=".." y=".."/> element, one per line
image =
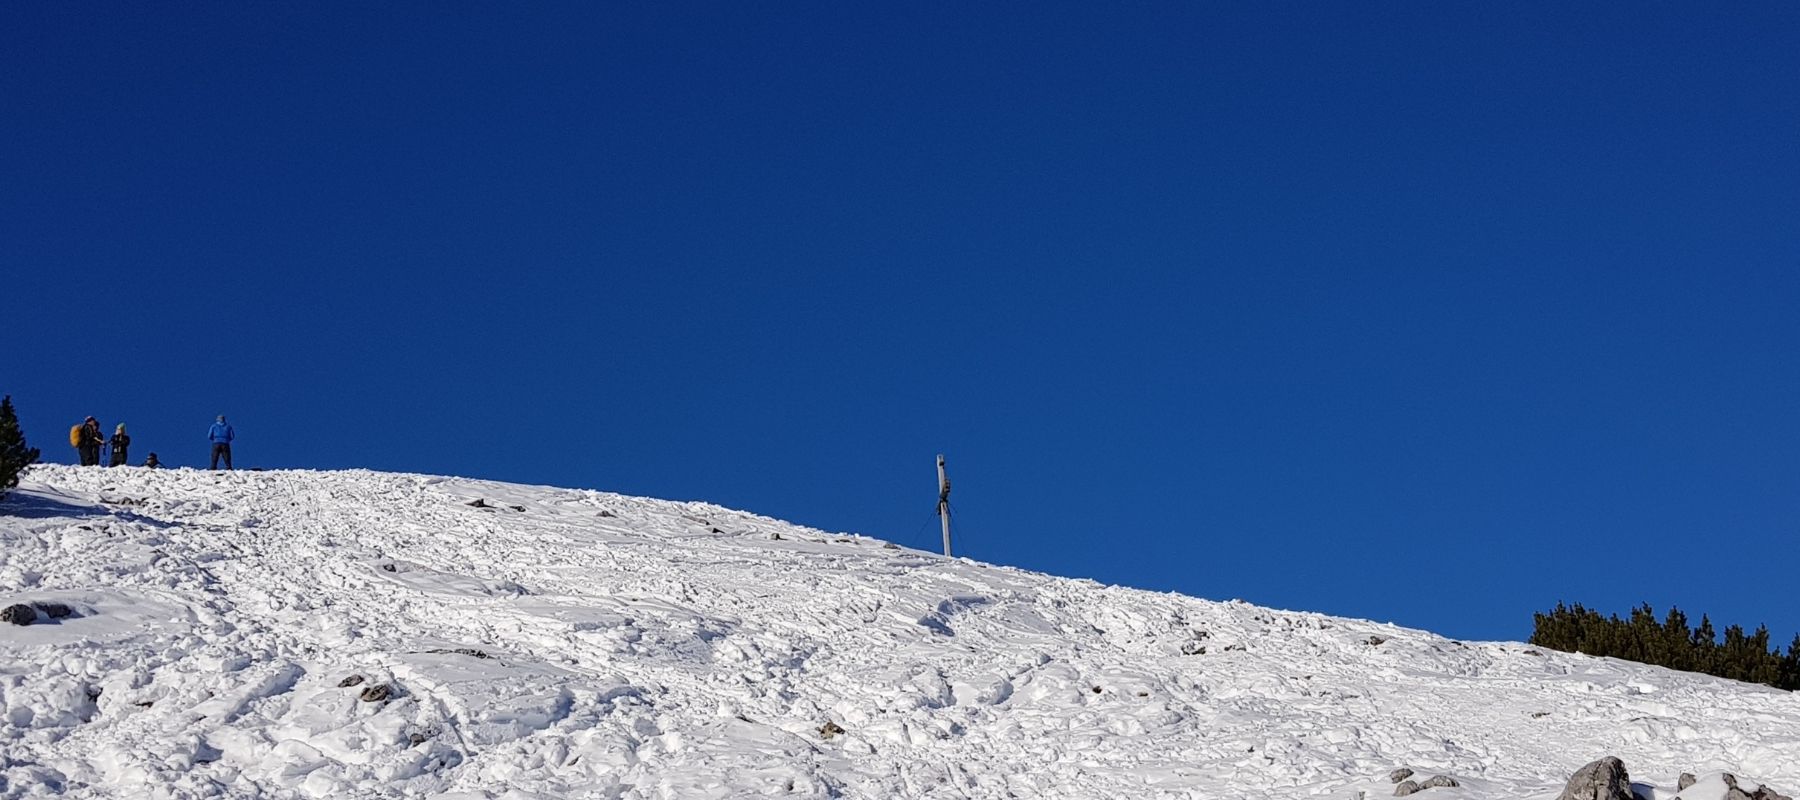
<point x="225" y="628"/>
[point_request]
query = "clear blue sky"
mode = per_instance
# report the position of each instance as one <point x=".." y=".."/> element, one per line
<point x="1424" y="312"/>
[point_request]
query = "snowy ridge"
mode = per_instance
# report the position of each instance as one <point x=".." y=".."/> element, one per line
<point x="563" y="643"/>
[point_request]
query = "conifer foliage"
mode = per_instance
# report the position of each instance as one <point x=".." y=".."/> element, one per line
<point x="14" y="455"/>
<point x="1670" y="643"/>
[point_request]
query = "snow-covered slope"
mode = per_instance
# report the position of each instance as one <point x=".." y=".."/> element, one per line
<point x="568" y="643"/>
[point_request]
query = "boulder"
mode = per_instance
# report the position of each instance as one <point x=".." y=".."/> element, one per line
<point x="1762" y="792"/>
<point x="1399" y="775"/>
<point x="18" y="614"/>
<point x="54" y="610"/>
<point x="1605" y="779"/>
<point x="1440" y="782"/>
<point x="1407" y="787"/>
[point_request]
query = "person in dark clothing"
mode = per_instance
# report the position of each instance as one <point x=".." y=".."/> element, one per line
<point x="152" y="463"/>
<point x="88" y="441"/>
<point x="121" y="443"/>
<point x="221" y="435"/>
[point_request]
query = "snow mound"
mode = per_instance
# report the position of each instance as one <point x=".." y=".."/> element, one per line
<point x="360" y="634"/>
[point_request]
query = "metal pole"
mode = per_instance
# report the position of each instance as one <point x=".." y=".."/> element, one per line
<point x="944" y="503"/>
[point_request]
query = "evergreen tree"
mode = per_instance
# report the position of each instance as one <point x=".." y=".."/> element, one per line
<point x="1644" y="637"/>
<point x="1706" y="647"/>
<point x="1764" y="667"/>
<point x="1670" y="643"/>
<point x="1789" y="677"/>
<point x="14" y="455"/>
<point x="1734" y="654"/>
<point x="1555" y="630"/>
<point x="1678" y="640"/>
<point x="1614" y="639"/>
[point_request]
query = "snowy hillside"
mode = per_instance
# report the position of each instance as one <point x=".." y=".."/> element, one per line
<point x="359" y="634"/>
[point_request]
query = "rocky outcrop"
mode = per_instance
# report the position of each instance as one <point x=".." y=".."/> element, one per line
<point x="1605" y="779"/>
<point x="1404" y="785"/>
<point x="18" y="614"/>
<point x="54" y="610"/>
<point x="1736" y="792"/>
<point x="22" y="614"/>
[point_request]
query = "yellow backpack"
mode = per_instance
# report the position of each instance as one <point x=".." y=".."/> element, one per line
<point x="75" y="435"/>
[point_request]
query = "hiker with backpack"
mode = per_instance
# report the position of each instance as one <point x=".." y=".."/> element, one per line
<point x="120" y="444"/>
<point x="87" y="439"/>
<point x="221" y="435"/>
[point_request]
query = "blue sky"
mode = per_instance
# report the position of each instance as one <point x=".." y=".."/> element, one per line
<point x="1432" y="313"/>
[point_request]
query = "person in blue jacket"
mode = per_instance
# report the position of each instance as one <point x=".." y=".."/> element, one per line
<point x="221" y="435"/>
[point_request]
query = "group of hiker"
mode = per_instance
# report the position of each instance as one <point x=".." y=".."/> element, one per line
<point x="88" y="440"/>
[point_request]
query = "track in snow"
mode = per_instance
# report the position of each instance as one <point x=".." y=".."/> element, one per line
<point x="595" y="645"/>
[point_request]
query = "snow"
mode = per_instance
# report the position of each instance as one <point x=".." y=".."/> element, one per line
<point x="593" y="645"/>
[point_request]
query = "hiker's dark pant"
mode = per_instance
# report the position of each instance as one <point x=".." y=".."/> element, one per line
<point x="221" y="450"/>
<point x="90" y="455"/>
<point x="119" y="456"/>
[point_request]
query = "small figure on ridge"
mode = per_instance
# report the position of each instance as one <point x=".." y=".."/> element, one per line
<point x="87" y="439"/>
<point x="120" y="444"/>
<point x="221" y="435"/>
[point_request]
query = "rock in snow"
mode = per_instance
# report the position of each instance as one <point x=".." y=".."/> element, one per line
<point x="1605" y="779"/>
<point x="602" y="646"/>
<point x="18" y="614"/>
<point x="53" y="610"/>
